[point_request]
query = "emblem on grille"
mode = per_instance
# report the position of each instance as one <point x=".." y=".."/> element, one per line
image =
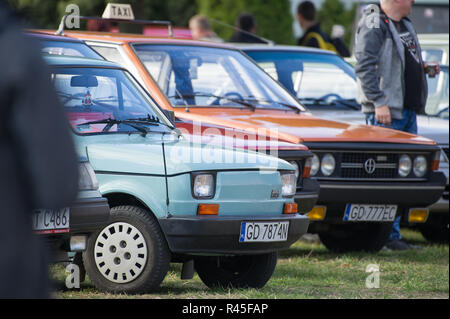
<point x="370" y="166"/>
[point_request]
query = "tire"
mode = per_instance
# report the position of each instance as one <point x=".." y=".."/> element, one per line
<point x="369" y="237"/>
<point x="133" y="258"/>
<point x="249" y="271"/>
<point x="435" y="230"/>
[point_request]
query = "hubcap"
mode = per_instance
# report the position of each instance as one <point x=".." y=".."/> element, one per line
<point x="120" y="253"/>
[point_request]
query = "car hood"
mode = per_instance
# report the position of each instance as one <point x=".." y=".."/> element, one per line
<point x="302" y="126"/>
<point x="430" y="127"/>
<point x="139" y="155"/>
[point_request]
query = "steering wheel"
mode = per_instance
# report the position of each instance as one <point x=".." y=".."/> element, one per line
<point x="327" y="96"/>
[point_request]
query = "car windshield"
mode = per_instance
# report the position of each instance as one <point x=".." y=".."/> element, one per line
<point x="315" y="79"/>
<point x="100" y="100"/>
<point x="68" y="48"/>
<point x="212" y="77"/>
<point x="437" y="103"/>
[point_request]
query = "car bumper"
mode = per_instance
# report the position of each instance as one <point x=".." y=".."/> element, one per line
<point x="220" y="235"/>
<point x="336" y="195"/>
<point x="308" y="196"/>
<point x="88" y="215"/>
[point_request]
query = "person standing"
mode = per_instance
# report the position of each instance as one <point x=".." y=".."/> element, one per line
<point x="201" y="29"/>
<point x="246" y="30"/>
<point x="38" y="163"/>
<point x="313" y="36"/>
<point x="392" y="85"/>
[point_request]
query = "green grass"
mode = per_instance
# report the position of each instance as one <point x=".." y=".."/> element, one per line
<point x="309" y="270"/>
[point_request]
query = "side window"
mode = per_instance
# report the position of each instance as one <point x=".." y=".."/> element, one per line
<point x="109" y="53"/>
<point x="320" y="79"/>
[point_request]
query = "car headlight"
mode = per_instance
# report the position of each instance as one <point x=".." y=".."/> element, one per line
<point x="328" y="165"/>
<point x="87" y="179"/>
<point x="404" y="165"/>
<point x="315" y="165"/>
<point x="296" y="167"/>
<point x="289" y="184"/>
<point x="420" y="166"/>
<point x="203" y="186"/>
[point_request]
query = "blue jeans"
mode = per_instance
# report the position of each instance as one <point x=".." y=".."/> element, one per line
<point x="407" y="124"/>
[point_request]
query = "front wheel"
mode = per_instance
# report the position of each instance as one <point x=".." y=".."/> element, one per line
<point x="130" y="255"/>
<point x="249" y="271"/>
<point x="370" y="237"/>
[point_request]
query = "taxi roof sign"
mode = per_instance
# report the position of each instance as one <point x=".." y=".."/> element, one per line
<point x="118" y="11"/>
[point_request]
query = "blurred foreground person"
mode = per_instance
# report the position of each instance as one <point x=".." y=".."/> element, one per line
<point x="201" y="29"/>
<point x="38" y="164"/>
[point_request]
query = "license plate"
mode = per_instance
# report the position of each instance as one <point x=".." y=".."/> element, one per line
<point x="370" y="213"/>
<point x="264" y="231"/>
<point x="47" y="221"/>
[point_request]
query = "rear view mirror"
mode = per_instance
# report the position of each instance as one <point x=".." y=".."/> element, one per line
<point x="85" y="81"/>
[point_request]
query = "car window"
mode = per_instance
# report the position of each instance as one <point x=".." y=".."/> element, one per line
<point x="109" y="53"/>
<point x="309" y="76"/>
<point x="438" y="94"/>
<point x="68" y="48"/>
<point x="97" y="94"/>
<point x="432" y="55"/>
<point x="209" y="76"/>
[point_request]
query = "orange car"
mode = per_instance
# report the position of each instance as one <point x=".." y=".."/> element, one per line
<point x="368" y="175"/>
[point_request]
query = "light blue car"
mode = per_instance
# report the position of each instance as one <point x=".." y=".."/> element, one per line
<point x="224" y="211"/>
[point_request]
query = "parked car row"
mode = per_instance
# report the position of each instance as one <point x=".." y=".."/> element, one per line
<point x="180" y="136"/>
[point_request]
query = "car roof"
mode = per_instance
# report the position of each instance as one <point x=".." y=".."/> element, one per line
<point x="47" y="36"/>
<point x="114" y="37"/>
<point x="64" y="60"/>
<point x="292" y="48"/>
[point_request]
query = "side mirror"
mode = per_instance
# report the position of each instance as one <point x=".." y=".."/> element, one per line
<point x="170" y="115"/>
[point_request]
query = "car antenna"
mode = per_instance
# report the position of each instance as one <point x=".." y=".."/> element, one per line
<point x="269" y="42"/>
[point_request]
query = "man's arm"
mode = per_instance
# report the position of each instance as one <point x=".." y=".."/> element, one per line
<point x="368" y="44"/>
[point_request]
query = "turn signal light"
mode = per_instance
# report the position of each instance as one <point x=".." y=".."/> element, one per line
<point x="435" y="161"/>
<point x="307" y="168"/>
<point x="317" y="213"/>
<point x="418" y="215"/>
<point x="208" y="209"/>
<point x="290" y="208"/>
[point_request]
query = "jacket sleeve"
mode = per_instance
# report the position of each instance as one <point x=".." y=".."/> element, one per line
<point x="39" y="130"/>
<point x="368" y="44"/>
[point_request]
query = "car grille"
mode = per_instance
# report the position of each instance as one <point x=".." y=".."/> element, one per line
<point x="369" y="165"/>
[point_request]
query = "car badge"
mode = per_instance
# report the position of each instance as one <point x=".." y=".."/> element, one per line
<point x="370" y="166"/>
<point x="275" y="193"/>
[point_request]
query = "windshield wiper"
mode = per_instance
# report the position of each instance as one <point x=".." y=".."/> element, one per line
<point x="258" y="100"/>
<point x="111" y="122"/>
<point x="150" y="119"/>
<point x="350" y="103"/>
<point x="200" y="94"/>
